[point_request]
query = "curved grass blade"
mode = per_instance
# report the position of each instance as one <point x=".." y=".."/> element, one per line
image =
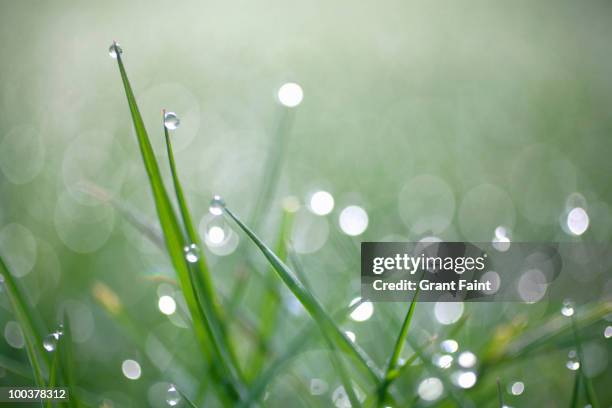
<point x="397" y="350"/>
<point x="524" y="344"/>
<point x="204" y="315"/>
<point x="269" y="307"/>
<point x="24" y="315"/>
<point x="311" y="304"/>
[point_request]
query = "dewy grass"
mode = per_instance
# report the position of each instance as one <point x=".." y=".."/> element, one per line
<point x="397" y="350"/>
<point x="26" y="316"/>
<point x="195" y="281"/>
<point x="311" y="304"/>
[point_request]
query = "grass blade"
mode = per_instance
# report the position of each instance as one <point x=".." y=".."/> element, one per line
<point x="397" y="350"/>
<point x="588" y="384"/>
<point x="311" y="304"/>
<point x="576" y="391"/>
<point x="500" y="394"/>
<point x="24" y="315"/>
<point x="204" y="314"/>
<point x="203" y="288"/>
<point x="270" y="302"/>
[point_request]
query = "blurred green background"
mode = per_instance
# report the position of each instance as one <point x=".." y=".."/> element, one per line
<point x="439" y="119"/>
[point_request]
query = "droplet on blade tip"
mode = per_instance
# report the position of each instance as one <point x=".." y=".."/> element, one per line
<point x="217" y="205"/>
<point x="114" y="49"/>
<point x="171" y="120"/>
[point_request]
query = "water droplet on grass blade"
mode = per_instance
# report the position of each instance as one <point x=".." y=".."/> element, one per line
<point x="171" y="121"/>
<point x="568" y="308"/>
<point x="114" y="49"/>
<point x="217" y="205"/>
<point x="572" y="361"/>
<point x="50" y="341"/>
<point x="608" y="332"/>
<point x="192" y="253"/>
<point x="172" y="396"/>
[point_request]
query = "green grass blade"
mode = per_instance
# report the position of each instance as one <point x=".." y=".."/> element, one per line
<point x="269" y="306"/>
<point x="66" y="360"/>
<point x="185" y="398"/>
<point x="53" y="378"/>
<point x="311" y="304"/>
<point x="576" y="391"/>
<point x="588" y="384"/>
<point x="24" y="315"/>
<point x="344" y="375"/>
<point x="397" y="349"/>
<point x="500" y="394"/>
<point x="204" y="316"/>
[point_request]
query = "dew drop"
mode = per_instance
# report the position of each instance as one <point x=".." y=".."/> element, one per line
<point x="443" y="361"/>
<point x="192" y="253"/>
<point x="608" y="332"/>
<point x="171" y="121"/>
<point x="50" y="341"/>
<point x="172" y="396"/>
<point x="113" y="49"/>
<point x="217" y="205"/>
<point x="572" y="361"/>
<point x="568" y="308"/>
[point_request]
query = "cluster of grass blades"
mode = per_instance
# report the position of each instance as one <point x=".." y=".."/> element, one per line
<point x="210" y="313"/>
<point x="244" y="386"/>
<point x="49" y="353"/>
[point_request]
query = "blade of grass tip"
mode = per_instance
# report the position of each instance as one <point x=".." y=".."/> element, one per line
<point x="173" y="236"/>
<point x="24" y="315"/>
<point x="185" y="397"/>
<point x="586" y="380"/>
<point x="397" y="350"/>
<point x="202" y="279"/>
<point x="500" y="394"/>
<point x="311" y="304"/>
